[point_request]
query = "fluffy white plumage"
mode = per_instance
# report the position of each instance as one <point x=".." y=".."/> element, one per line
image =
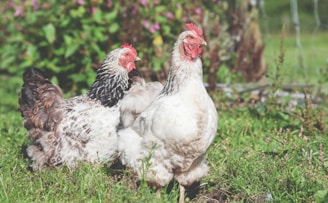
<point x="137" y="99"/>
<point x="175" y="131"/>
<point x="87" y="132"/>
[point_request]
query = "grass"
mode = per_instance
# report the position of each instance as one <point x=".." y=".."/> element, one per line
<point x="255" y="155"/>
<point x="302" y="64"/>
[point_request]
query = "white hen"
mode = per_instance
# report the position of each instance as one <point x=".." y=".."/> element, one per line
<point x="170" y="138"/>
<point x="137" y="98"/>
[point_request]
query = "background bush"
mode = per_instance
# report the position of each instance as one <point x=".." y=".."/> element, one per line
<point x="68" y="39"/>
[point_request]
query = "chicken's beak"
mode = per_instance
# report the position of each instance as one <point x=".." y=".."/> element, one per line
<point x="137" y="58"/>
<point x="203" y="42"/>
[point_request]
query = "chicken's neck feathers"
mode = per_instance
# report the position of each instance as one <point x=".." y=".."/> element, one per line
<point x="182" y="72"/>
<point x="109" y="86"/>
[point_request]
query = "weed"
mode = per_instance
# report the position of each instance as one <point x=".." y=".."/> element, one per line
<point x="310" y="117"/>
<point x="277" y="78"/>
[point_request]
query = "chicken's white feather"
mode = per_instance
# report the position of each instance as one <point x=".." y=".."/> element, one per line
<point x="175" y="131"/>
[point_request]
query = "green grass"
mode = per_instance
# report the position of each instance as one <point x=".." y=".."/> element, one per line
<point x="255" y="153"/>
<point x="302" y="64"/>
<point x="251" y="157"/>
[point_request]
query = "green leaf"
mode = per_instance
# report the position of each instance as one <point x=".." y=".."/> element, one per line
<point x="52" y="65"/>
<point x="71" y="50"/>
<point x="102" y="55"/>
<point x="91" y="77"/>
<point x="81" y="11"/>
<point x="24" y="64"/>
<point x="109" y="17"/>
<point x="160" y="8"/>
<point x="99" y="36"/>
<point x="157" y="64"/>
<point x="166" y="29"/>
<point x="321" y="196"/>
<point x="114" y="27"/>
<point x="283" y="115"/>
<point x="59" y="51"/>
<point x="54" y="80"/>
<point x="31" y="19"/>
<point x="43" y="43"/>
<point x="178" y="13"/>
<point x="96" y="48"/>
<point x="67" y="40"/>
<point x="7" y="62"/>
<point x="97" y="16"/>
<point x="64" y="22"/>
<point x="161" y="19"/>
<point x="77" y="13"/>
<point x="32" y="52"/>
<point x="50" y="32"/>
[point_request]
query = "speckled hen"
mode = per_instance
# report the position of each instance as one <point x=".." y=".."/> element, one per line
<point x="82" y="128"/>
<point x="170" y="138"/>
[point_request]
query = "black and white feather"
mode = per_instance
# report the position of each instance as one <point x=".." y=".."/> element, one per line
<point x="82" y="128"/>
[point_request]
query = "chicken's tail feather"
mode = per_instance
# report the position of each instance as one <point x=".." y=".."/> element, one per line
<point x="40" y="101"/>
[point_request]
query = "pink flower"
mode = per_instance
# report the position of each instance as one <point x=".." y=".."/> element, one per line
<point x="155" y="27"/>
<point x="19" y="11"/>
<point x="10" y="4"/>
<point x="81" y="2"/>
<point x="152" y="28"/>
<point x="267" y="139"/>
<point x="156" y="2"/>
<point x="178" y="5"/>
<point x="135" y="11"/>
<point x="198" y="11"/>
<point x="146" y="23"/>
<point x="93" y="10"/>
<point x="109" y="3"/>
<point x="35" y="4"/>
<point x="144" y="2"/>
<point x="169" y="15"/>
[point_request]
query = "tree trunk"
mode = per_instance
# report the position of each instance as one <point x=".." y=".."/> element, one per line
<point x="245" y="27"/>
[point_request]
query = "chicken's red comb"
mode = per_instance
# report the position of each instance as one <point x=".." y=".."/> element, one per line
<point x="193" y="27"/>
<point x="129" y="46"/>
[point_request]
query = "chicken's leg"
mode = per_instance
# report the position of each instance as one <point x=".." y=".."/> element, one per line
<point x="182" y="193"/>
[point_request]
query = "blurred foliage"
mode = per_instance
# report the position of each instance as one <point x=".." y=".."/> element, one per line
<point x="68" y="39"/>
